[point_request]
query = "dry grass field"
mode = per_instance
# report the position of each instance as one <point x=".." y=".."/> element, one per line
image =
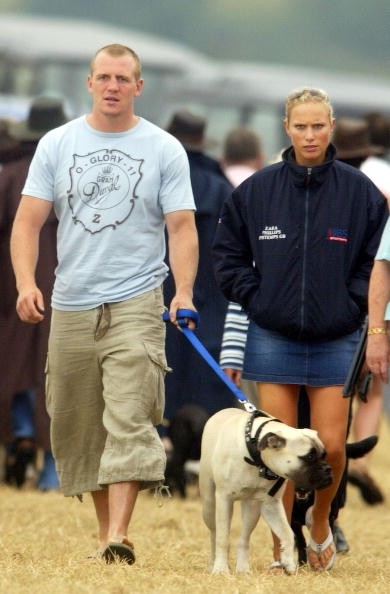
<point x="45" y="539"/>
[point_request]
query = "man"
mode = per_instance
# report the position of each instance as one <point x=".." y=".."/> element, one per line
<point x="193" y="390"/>
<point x="378" y="346"/>
<point x="242" y="154"/>
<point x="114" y="180"/>
<point x="355" y="146"/>
<point x="192" y="380"/>
<point x="377" y="166"/>
<point x="241" y="157"/>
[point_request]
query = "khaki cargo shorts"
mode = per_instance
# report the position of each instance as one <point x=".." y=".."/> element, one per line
<point x="105" y="393"/>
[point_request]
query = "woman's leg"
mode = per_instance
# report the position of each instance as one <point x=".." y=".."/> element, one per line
<point x="281" y="401"/>
<point x="329" y="416"/>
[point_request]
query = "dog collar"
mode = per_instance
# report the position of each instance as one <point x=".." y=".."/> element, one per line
<point x="255" y="456"/>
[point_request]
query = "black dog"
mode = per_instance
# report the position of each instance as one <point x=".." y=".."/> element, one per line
<point x="20" y="454"/>
<point x="185" y="432"/>
<point x="304" y="500"/>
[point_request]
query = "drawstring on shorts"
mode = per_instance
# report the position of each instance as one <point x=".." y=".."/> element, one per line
<point x="160" y="493"/>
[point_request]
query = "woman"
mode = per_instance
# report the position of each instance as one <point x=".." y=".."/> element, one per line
<point x="294" y="248"/>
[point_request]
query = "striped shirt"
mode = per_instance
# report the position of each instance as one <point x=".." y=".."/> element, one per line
<point x="234" y="338"/>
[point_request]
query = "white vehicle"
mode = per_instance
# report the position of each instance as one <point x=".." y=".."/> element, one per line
<point x="255" y="93"/>
<point x="41" y="55"/>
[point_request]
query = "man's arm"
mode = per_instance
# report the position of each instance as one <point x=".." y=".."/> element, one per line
<point x="378" y="347"/>
<point x="183" y="258"/>
<point x="29" y="220"/>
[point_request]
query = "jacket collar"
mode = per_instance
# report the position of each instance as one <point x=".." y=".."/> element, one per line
<point x="303" y="174"/>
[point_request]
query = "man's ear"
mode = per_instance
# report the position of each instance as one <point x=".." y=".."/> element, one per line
<point x="89" y="83"/>
<point x="140" y="86"/>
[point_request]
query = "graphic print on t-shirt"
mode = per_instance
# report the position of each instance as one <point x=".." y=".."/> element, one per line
<point x="103" y="188"/>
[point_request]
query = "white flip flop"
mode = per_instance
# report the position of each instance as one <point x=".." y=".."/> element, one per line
<point x="320" y="548"/>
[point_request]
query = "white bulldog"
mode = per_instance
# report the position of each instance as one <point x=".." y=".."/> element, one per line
<point x="245" y="456"/>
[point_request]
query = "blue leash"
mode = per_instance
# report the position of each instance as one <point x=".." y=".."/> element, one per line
<point x="183" y="316"/>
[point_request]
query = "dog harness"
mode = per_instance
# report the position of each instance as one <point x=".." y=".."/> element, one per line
<point x="255" y="458"/>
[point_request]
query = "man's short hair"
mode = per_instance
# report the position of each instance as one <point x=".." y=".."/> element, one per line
<point x="115" y="50"/>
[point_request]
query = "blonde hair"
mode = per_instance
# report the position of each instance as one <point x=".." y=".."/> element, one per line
<point x="115" y="50"/>
<point x="306" y="95"/>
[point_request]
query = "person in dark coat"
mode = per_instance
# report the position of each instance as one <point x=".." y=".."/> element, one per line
<point x="192" y="380"/>
<point x="24" y="423"/>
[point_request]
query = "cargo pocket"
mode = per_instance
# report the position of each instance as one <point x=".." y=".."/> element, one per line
<point x="159" y="368"/>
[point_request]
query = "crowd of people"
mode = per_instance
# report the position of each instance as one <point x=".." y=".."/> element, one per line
<point x="107" y="221"/>
<point x="24" y="422"/>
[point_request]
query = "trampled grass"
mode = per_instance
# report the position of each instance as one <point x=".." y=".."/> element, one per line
<point x="45" y="540"/>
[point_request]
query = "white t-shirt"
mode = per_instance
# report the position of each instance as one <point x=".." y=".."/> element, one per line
<point x="236" y="174"/>
<point x="383" y="253"/>
<point x="110" y="193"/>
<point x="378" y="170"/>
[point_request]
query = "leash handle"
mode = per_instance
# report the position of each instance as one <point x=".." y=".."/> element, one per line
<point x="182" y="316"/>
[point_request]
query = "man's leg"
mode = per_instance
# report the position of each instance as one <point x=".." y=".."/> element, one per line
<point x="121" y="502"/>
<point x="114" y="507"/>
<point x="100" y="500"/>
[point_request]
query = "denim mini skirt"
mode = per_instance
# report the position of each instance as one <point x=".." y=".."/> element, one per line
<point x="271" y="357"/>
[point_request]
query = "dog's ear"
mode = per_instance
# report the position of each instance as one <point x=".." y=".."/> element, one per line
<point x="271" y="440"/>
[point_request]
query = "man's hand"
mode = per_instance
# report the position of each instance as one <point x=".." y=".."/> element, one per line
<point x="180" y="303"/>
<point x="378" y="355"/>
<point x="30" y="306"/>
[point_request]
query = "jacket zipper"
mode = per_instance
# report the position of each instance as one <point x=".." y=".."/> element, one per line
<point x="305" y="241"/>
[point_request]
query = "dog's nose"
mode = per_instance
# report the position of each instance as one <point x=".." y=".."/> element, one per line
<point x="322" y="477"/>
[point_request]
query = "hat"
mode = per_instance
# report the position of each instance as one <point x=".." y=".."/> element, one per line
<point x="352" y="139"/>
<point x="6" y="141"/>
<point x="45" y="114"/>
<point x="190" y="130"/>
<point x="379" y="126"/>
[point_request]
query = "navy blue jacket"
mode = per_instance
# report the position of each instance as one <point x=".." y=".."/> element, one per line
<point x="192" y="380"/>
<point x="295" y="246"/>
